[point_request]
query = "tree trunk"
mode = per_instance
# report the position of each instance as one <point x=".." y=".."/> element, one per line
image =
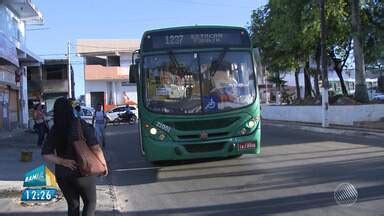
<point x="307" y="82"/>
<point x="297" y="83"/>
<point x="361" y="93"/>
<point x="316" y="76"/>
<point x="339" y="73"/>
<point x="316" y="83"/>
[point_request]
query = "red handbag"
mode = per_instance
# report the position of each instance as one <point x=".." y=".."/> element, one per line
<point x="88" y="163"/>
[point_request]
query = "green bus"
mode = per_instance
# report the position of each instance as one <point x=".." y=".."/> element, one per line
<point x="197" y="93"/>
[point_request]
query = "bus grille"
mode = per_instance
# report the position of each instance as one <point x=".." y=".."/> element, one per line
<point x="202" y="124"/>
<point x="197" y="136"/>
<point x="208" y="147"/>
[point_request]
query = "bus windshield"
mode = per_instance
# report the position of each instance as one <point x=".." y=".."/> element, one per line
<point x="199" y="82"/>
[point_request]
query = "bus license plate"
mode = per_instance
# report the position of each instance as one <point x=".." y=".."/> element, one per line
<point x="246" y="145"/>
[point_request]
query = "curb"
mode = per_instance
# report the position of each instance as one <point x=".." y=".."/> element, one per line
<point x="330" y="130"/>
<point x="10" y="191"/>
<point x="111" y="187"/>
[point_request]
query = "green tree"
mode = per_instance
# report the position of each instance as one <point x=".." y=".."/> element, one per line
<point x="278" y="34"/>
<point x="373" y="29"/>
<point x="288" y="33"/>
<point x="338" y="34"/>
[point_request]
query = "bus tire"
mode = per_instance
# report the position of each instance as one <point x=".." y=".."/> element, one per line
<point x="235" y="156"/>
<point x="133" y="120"/>
<point x="116" y="122"/>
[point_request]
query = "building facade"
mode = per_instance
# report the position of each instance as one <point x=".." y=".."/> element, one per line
<point x="15" y="58"/>
<point x="48" y="82"/>
<point x="106" y="71"/>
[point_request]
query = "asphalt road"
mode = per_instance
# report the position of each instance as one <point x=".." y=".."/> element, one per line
<point x="296" y="174"/>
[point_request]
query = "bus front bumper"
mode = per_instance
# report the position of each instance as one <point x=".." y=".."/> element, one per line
<point x="167" y="150"/>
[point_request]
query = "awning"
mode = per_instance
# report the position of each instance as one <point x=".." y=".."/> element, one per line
<point x="8" y="54"/>
<point x="25" y="10"/>
<point x="28" y="58"/>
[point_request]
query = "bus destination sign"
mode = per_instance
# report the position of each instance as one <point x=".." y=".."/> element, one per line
<point x="181" y="40"/>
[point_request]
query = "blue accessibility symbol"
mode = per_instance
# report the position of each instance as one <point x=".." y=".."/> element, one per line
<point x="210" y="103"/>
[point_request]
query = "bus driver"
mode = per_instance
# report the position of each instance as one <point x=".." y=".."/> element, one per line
<point x="224" y="84"/>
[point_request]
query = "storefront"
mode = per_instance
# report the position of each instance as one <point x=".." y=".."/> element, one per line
<point x="9" y="90"/>
<point x="15" y="58"/>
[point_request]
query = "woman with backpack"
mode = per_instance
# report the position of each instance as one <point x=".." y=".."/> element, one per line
<point x="60" y="148"/>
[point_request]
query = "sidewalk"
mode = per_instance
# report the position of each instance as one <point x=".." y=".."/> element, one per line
<point x="12" y="169"/>
<point x="18" y="138"/>
<point x="12" y="177"/>
<point x="332" y="129"/>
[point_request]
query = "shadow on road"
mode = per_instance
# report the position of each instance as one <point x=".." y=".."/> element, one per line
<point x="55" y="213"/>
<point x="127" y="165"/>
<point x="276" y="136"/>
<point x="271" y="206"/>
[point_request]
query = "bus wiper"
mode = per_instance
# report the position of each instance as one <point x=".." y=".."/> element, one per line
<point x="174" y="60"/>
<point x="181" y="70"/>
<point x="216" y="64"/>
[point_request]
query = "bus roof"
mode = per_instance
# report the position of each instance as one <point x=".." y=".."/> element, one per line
<point x="195" y="27"/>
<point x="195" y="37"/>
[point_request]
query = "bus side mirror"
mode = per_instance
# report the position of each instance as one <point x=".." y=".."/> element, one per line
<point x="257" y="62"/>
<point x="132" y="73"/>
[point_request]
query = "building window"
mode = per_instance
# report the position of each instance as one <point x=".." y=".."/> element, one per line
<point x="55" y="73"/>
<point x="91" y="60"/>
<point x="113" y="61"/>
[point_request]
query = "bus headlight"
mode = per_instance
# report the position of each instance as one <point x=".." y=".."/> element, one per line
<point x="243" y="131"/>
<point x="153" y="131"/>
<point x="250" y="124"/>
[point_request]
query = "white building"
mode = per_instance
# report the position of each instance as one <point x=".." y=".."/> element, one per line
<point x="14" y="60"/>
<point x="106" y="71"/>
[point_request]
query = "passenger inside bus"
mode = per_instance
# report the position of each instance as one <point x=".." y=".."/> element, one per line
<point x="224" y="84"/>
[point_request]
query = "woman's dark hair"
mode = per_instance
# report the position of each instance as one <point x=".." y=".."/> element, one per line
<point x="62" y="122"/>
<point x="37" y="105"/>
<point x="78" y="108"/>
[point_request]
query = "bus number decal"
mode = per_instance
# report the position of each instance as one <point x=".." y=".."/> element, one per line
<point x="163" y="127"/>
<point x="174" y="39"/>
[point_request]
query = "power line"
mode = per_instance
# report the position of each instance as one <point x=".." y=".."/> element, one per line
<point x="102" y="47"/>
<point x="145" y="19"/>
<point x="191" y="2"/>
<point x="38" y="29"/>
<point x="57" y="54"/>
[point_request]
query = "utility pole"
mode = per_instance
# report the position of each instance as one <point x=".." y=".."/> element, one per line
<point x="324" y="67"/>
<point x="69" y="70"/>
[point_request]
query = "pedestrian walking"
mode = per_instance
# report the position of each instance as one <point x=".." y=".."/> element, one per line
<point x="59" y="149"/>
<point x="100" y="122"/>
<point x="40" y="124"/>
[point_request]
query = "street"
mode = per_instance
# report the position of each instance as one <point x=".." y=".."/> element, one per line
<point x="296" y="174"/>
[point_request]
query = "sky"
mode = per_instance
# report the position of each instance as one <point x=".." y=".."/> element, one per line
<point x="69" y="20"/>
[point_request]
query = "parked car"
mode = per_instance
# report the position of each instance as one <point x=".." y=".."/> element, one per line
<point x="378" y="97"/>
<point x="87" y="114"/>
<point x="113" y="114"/>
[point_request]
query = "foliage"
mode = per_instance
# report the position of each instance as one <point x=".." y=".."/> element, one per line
<point x="373" y="28"/>
<point x="288" y="33"/>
